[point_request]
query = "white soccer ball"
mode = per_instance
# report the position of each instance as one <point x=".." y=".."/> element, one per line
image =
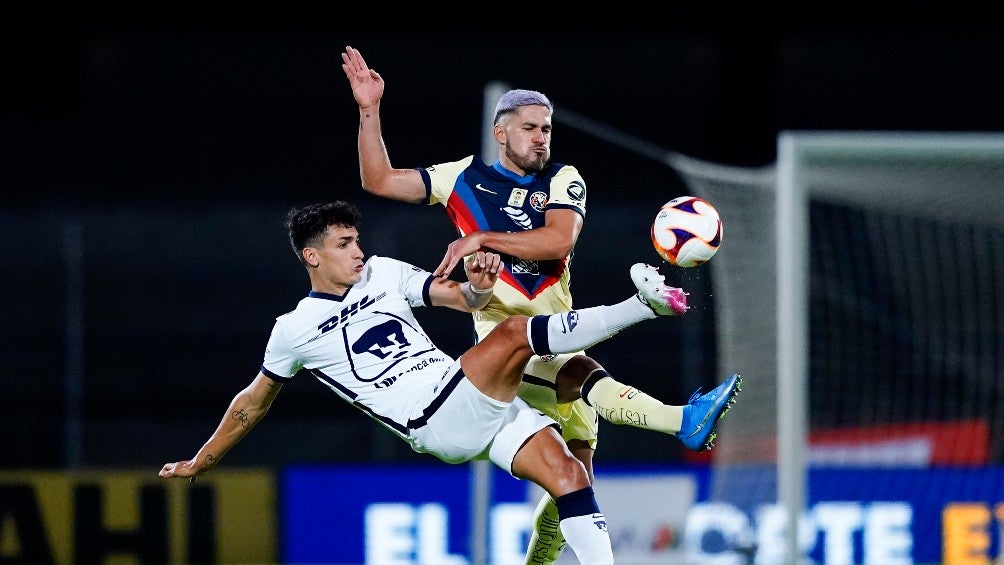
<point x="687" y="231"/>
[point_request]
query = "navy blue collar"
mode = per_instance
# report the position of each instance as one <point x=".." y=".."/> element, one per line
<point x="327" y="295"/>
<point x="521" y="180"/>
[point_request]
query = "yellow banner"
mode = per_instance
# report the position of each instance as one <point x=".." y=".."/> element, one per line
<point x="120" y="517"/>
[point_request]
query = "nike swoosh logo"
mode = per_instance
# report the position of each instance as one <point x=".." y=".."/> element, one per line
<point x="483" y="189"/>
<point x="700" y="426"/>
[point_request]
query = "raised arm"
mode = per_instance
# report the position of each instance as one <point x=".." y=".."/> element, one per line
<point x="554" y="240"/>
<point x="246" y="410"/>
<point x="377" y="175"/>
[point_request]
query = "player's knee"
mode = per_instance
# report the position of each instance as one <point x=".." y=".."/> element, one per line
<point x="571" y="473"/>
<point x="545" y="460"/>
<point x="572" y="375"/>
<point x="514" y="329"/>
<point x="562" y="464"/>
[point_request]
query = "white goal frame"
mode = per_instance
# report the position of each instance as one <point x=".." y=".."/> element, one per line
<point x="795" y="152"/>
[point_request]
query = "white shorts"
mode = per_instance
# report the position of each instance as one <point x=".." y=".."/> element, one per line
<point x="471" y="425"/>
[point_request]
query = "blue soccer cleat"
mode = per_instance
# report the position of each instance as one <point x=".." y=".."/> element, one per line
<point x="702" y="413"/>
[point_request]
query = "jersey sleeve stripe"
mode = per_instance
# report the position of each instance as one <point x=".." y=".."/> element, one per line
<point x="274" y="376"/>
<point x="426" y="294"/>
<point x="427" y="180"/>
<point x="572" y="207"/>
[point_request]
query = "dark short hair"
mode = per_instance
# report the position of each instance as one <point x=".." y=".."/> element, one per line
<point x="306" y="226"/>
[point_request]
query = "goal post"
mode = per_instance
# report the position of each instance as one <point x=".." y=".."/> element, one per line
<point x="948" y="183"/>
<point x="861" y="288"/>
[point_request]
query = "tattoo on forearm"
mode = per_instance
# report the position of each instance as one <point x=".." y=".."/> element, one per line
<point x="243" y="417"/>
<point x="210" y="460"/>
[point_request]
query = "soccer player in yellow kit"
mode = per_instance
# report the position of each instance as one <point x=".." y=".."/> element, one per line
<point x="530" y="210"/>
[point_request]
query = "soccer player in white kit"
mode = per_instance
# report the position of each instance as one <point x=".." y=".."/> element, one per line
<point x="531" y="210"/>
<point x="356" y="333"/>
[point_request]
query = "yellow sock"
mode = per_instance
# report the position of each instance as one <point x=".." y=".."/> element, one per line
<point x="546" y="539"/>
<point x="619" y="403"/>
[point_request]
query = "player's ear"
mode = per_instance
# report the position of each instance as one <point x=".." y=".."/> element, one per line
<point x="310" y="257"/>
<point x="499" y="131"/>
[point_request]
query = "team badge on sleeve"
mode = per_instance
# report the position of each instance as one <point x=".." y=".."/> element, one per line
<point x="576" y="190"/>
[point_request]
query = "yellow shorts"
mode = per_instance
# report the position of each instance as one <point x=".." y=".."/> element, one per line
<point x="578" y="420"/>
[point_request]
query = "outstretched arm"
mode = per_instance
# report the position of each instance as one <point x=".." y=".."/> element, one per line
<point x="246" y="410"/>
<point x="375" y="171"/>
<point x="554" y="240"/>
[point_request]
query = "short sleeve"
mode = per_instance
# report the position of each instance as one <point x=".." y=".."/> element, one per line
<point x="413" y="281"/>
<point x="443" y="177"/>
<point x="568" y="190"/>
<point x="280" y="362"/>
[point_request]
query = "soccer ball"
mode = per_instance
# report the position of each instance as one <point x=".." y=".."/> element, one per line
<point x="687" y="231"/>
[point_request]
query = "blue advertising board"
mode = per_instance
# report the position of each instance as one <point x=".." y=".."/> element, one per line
<point x="341" y="514"/>
<point x="420" y="515"/>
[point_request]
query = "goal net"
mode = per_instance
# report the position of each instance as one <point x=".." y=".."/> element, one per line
<point x="860" y="290"/>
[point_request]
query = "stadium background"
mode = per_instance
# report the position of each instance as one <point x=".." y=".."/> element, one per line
<point x="170" y="152"/>
<point x="168" y="132"/>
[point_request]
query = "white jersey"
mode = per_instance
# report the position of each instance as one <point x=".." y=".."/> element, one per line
<point x="367" y="345"/>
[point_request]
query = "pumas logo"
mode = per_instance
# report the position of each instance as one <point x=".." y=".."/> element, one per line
<point x="538" y="200"/>
<point x="571" y="320"/>
<point x="576" y="190"/>
<point x="600" y="521"/>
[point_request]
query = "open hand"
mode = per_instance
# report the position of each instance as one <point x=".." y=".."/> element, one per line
<point x="367" y="86"/>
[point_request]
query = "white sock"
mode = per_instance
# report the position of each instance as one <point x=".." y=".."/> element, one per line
<point x="580" y="329"/>
<point x="588" y="537"/>
<point x="585" y="527"/>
